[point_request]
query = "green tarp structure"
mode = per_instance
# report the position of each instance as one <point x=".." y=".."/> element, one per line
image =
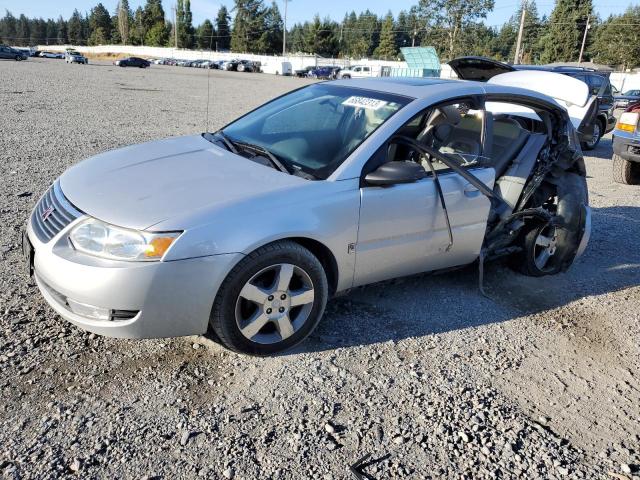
<point x="421" y="62"/>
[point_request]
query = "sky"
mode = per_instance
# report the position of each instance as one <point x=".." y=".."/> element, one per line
<point x="298" y="10"/>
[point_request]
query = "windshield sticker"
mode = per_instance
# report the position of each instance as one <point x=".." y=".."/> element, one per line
<point x="364" y="102"/>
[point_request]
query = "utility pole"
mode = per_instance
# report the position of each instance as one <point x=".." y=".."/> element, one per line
<point x="584" y="38"/>
<point x="175" y="26"/>
<point x="516" y="59"/>
<point x="284" y="33"/>
<point x="413" y="38"/>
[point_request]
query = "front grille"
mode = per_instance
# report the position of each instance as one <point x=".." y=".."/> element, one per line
<point x="52" y="214"/>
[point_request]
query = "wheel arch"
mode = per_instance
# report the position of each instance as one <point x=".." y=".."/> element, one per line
<point x="321" y="251"/>
<point x="324" y="255"/>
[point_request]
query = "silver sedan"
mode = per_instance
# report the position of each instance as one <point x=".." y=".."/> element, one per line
<point x="248" y="231"/>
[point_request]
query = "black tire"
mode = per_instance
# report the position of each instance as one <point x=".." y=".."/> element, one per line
<point x="223" y="314"/>
<point x="594" y="144"/>
<point x="625" y="172"/>
<point x="18" y="58"/>
<point x="346" y="77"/>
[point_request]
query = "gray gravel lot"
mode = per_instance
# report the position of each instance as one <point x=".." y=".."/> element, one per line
<point x="425" y="374"/>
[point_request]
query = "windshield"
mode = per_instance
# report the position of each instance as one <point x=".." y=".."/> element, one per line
<point x="632" y="93"/>
<point x="316" y="128"/>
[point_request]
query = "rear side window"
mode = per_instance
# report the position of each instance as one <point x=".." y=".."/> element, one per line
<point x="595" y="84"/>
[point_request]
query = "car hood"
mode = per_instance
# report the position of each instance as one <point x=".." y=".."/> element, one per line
<point x="142" y="185"/>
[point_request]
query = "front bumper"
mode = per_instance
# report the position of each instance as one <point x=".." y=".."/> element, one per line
<point x="627" y="145"/>
<point x="168" y="298"/>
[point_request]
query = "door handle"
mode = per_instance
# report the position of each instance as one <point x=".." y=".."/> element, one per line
<point x="471" y="191"/>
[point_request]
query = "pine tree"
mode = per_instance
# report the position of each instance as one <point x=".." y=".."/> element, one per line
<point x="99" y="25"/>
<point x="387" y="47"/>
<point x="270" y="41"/>
<point x="223" y="32"/>
<point x="205" y="35"/>
<point x="185" y="26"/>
<point x="248" y="25"/>
<point x="22" y="31"/>
<point x="563" y="37"/>
<point x="8" y="28"/>
<point x="37" y="32"/>
<point x="617" y="40"/>
<point x="124" y="19"/>
<point x="61" y="25"/>
<point x="76" y="35"/>
<point x="530" y="48"/>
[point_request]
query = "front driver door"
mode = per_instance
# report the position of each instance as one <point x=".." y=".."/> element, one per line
<point x="403" y="227"/>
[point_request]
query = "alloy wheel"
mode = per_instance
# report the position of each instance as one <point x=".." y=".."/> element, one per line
<point x="275" y="303"/>
<point x="545" y="247"/>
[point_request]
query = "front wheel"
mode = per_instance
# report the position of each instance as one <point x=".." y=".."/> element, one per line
<point x="272" y="300"/>
<point x="625" y="172"/>
<point x="593" y="142"/>
<point x="18" y="58"/>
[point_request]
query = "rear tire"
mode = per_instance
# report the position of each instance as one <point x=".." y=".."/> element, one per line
<point x="625" y="172"/>
<point x="538" y="257"/>
<point x="271" y="301"/>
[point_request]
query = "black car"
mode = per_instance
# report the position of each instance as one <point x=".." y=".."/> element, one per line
<point x="132" y="62"/>
<point x="482" y="69"/>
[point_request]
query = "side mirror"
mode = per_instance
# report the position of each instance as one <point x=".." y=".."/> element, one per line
<point x="392" y="173"/>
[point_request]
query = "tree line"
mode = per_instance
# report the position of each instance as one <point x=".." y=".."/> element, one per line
<point x="453" y="27"/>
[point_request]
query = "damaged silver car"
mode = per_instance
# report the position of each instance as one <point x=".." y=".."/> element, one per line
<point x="248" y="231"/>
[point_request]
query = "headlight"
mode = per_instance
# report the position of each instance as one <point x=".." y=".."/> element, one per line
<point x="97" y="238"/>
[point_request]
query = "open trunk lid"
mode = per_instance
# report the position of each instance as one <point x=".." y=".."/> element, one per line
<point x="478" y="69"/>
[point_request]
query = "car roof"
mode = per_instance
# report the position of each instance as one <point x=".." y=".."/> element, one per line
<point x="438" y="88"/>
<point x="407" y="86"/>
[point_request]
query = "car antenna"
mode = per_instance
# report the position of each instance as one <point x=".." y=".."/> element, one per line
<point x="206" y="126"/>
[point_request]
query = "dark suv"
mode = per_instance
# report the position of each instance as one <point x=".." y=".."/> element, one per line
<point x="482" y="69"/>
<point x="12" y="53"/>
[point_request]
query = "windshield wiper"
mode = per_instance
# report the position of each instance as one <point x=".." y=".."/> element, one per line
<point x="227" y="141"/>
<point x="266" y="153"/>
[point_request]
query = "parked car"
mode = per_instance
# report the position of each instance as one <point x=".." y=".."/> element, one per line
<point x="321" y="73"/>
<point x="7" y="52"/>
<point x="482" y="69"/>
<point x="356" y="71"/>
<point x="629" y="97"/>
<point x="76" y="57"/>
<point x="249" y="230"/>
<point x="248" y="66"/>
<point x="57" y="55"/>
<point x="303" y="72"/>
<point x="132" y="62"/>
<point x="230" y="65"/>
<point x="626" y="147"/>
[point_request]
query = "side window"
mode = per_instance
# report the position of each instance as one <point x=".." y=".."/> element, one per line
<point x="356" y="69"/>
<point x="595" y="84"/>
<point x="455" y="130"/>
<point x="366" y="69"/>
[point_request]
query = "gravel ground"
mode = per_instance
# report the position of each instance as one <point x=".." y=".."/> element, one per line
<point x="425" y="374"/>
